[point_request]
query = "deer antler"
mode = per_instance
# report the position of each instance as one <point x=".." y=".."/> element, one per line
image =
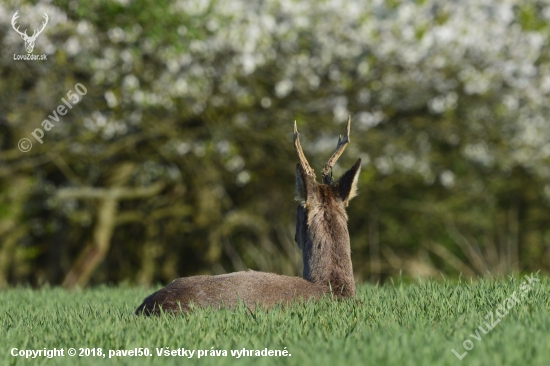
<point x="34" y="35"/>
<point x="300" y="153"/>
<point x="13" y="21"/>
<point x="327" y="170"/>
<point x="24" y="34"/>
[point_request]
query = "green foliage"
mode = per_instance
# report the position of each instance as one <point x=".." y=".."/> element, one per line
<point x="408" y="324"/>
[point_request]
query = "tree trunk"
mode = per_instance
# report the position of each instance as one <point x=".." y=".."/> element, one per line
<point x="95" y="250"/>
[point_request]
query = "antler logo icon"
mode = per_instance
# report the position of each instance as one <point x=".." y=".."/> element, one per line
<point x="29" y="41"/>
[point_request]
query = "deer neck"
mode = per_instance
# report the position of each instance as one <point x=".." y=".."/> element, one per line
<point x="326" y="251"/>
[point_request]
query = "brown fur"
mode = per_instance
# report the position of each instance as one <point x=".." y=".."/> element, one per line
<point x="225" y="291"/>
<point x="321" y="233"/>
<point x="324" y="240"/>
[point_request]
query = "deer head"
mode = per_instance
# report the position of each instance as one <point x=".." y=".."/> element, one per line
<point x="321" y="220"/>
<point x="29" y="41"/>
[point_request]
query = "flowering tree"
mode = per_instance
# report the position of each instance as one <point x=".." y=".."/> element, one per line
<point x="191" y="104"/>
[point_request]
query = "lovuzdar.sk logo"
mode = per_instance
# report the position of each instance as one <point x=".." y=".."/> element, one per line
<point x="29" y="40"/>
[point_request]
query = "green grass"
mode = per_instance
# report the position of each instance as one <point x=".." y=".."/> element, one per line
<point x="395" y="324"/>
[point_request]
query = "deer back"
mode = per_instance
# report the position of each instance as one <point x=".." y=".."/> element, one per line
<point x="225" y="291"/>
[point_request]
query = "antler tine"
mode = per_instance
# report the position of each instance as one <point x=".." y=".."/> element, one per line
<point x="340" y="147"/>
<point x="43" y="25"/>
<point x="300" y="153"/>
<point x="14" y="20"/>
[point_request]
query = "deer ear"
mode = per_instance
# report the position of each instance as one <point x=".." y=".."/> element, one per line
<point x="347" y="184"/>
<point x="305" y="185"/>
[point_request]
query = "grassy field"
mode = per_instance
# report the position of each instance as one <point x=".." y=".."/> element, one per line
<point x="395" y="324"/>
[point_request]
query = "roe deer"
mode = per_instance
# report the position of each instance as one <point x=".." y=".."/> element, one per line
<point x="321" y="234"/>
